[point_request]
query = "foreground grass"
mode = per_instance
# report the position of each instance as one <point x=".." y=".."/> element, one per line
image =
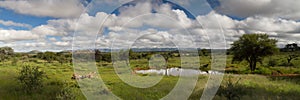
<point x="256" y="86"/>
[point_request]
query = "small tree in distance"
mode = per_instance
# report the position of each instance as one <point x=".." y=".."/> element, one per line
<point x="252" y="48"/>
<point x="6" y="53"/>
<point x="293" y="52"/>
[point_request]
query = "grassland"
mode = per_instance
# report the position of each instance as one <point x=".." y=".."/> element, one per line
<point x="261" y="85"/>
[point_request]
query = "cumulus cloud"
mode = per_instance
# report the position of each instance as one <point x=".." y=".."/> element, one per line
<point x="288" y="9"/>
<point x="270" y="24"/>
<point x="51" y="8"/>
<point x="52" y="39"/>
<point x="166" y="28"/>
<point x="165" y="17"/>
<point x="15" y="35"/>
<point x="11" y="23"/>
<point x="62" y="43"/>
<point x="278" y="28"/>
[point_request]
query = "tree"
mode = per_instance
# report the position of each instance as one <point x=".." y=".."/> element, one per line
<point x="252" y="48"/>
<point x="292" y="50"/>
<point x="204" y="52"/>
<point x="133" y="55"/>
<point x="6" y="52"/>
<point x="98" y="55"/>
<point x="167" y="55"/>
<point x="291" y="47"/>
<point x="49" y="56"/>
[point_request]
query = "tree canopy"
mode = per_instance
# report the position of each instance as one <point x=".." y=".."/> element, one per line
<point x="6" y="52"/>
<point x="252" y="48"/>
<point x="293" y="52"/>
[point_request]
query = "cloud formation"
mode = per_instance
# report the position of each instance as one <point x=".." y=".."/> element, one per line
<point x="15" y="35"/>
<point x="11" y="23"/>
<point x="287" y="9"/>
<point x="166" y="28"/>
<point x="48" y="8"/>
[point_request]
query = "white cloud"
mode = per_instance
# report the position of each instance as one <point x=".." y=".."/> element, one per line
<point x="278" y="28"/>
<point x="162" y="29"/>
<point x="134" y="17"/>
<point x="48" y="30"/>
<point x="289" y="9"/>
<point x="85" y="25"/>
<point x="133" y="11"/>
<point x="52" y="39"/>
<point x="51" y="8"/>
<point x="11" y="23"/>
<point x="270" y="24"/>
<point x="215" y="21"/>
<point x="62" y="43"/>
<point x="15" y="35"/>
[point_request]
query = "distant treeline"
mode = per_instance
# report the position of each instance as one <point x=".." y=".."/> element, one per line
<point x="106" y="55"/>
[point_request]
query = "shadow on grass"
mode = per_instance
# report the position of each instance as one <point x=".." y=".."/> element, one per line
<point x="287" y="78"/>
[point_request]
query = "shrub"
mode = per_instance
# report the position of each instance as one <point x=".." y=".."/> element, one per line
<point x="231" y="90"/>
<point x="14" y="61"/>
<point x="272" y="62"/>
<point x="31" y="78"/>
<point x="67" y="92"/>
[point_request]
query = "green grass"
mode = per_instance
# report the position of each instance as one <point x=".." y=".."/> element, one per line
<point x="256" y="86"/>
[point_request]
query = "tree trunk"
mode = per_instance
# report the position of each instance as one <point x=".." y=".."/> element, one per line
<point x="166" y="72"/>
<point x="252" y="65"/>
<point x="250" y="62"/>
<point x="289" y="61"/>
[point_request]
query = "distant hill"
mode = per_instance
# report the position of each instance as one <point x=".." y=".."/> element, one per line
<point x="34" y="52"/>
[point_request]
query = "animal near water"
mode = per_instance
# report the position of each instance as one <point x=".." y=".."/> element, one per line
<point x="89" y="75"/>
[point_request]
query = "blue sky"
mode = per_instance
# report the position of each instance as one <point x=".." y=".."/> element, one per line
<point x="10" y="15"/>
<point x="42" y="25"/>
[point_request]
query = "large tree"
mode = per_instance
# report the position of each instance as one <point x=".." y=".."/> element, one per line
<point x="252" y="48"/>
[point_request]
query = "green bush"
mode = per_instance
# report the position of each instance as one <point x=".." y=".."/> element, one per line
<point x="231" y="90"/>
<point x="67" y="92"/>
<point x="14" y="61"/>
<point x="31" y="78"/>
<point x="272" y="62"/>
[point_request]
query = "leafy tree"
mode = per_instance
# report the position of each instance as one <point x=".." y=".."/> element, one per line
<point x="63" y="57"/>
<point x="293" y="52"/>
<point x="98" y="56"/>
<point x="134" y="55"/>
<point x="204" y="52"/>
<point x="167" y="56"/>
<point x="291" y="47"/>
<point x="48" y="56"/>
<point x="252" y="48"/>
<point x="6" y="52"/>
<point x="106" y="57"/>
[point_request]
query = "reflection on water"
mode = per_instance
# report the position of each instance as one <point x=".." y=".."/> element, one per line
<point x="176" y="72"/>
